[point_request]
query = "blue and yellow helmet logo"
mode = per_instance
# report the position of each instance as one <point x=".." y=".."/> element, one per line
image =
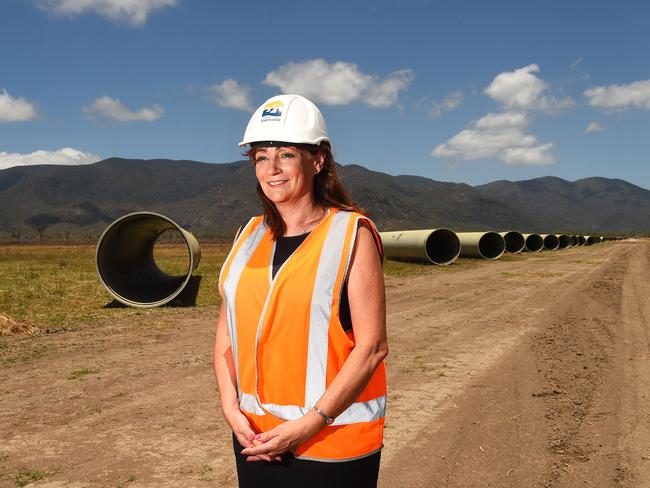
<point x="273" y="109"/>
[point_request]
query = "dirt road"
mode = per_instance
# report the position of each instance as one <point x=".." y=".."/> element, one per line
<point x="528" y="372"/>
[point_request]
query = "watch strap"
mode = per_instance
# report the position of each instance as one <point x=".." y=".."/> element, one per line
<point x="328" y="420"/>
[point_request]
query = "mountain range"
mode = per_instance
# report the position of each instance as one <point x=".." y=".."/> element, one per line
<point x="209" y="200"/>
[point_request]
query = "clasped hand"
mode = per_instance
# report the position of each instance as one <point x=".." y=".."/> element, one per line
<point x="286" y="437"/>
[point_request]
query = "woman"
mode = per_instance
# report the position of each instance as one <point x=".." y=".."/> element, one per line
<point x="301" y="335"/>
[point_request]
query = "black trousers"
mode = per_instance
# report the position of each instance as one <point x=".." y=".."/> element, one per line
<point x="300" y="473"/>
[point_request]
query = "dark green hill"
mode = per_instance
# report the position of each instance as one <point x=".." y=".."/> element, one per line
<point x="588" y="205"/>
<point x="50" y="201"/>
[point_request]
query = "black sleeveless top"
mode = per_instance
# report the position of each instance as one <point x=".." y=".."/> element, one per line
<point x="284" y="247"/>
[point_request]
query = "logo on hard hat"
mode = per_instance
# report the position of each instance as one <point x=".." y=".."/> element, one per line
<point x="272" y="109"/>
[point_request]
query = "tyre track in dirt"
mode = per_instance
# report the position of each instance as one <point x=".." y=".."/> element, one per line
<point x="543" y="403"/>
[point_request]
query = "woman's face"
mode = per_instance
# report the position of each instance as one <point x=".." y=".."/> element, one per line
<point x="286" y="174"/>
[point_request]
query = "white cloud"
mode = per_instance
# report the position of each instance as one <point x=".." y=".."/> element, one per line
<point x="500" y="136"/>
<point x="134" y="12"/>
<point x="594" y="127"/>
<point x="231" y="94"/>
<point x="502" y="120"/>
<point x="15" y="109"/>
<point x="576" y="63"/>
<point x="383" y="93"/>
<point x="450" y="102"/>
<point x="338" y="83"/>
<point x="65" y="156"/>
<point x="636" y="94"/>
<point x="112" y="109"/>
<point x="529" y="155"/>
<point x="522" y="89"/>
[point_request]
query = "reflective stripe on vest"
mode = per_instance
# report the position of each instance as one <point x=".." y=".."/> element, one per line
<point x="319" y="320"/>
<point x="355" y="413"/>
<point x="236" y="266"/>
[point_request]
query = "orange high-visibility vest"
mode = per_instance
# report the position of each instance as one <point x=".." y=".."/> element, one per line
<point x="287" y="341"/>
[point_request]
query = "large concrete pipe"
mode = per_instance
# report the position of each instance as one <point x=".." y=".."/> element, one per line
<point x="582" y="240"/>
<point x="486" y="245"/>
<point x="126" y="265"/>
<point x="565" y="241"/>
<point x="551" y="241"/>
<point x="590" y="240"/>
<point x="515" y="242"/>
<point x="438" y="246"/>
<point x="575" y="241"/>
<point x="534" y="242"/>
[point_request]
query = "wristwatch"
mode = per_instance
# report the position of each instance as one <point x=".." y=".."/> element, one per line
<point x="328" y="420"/>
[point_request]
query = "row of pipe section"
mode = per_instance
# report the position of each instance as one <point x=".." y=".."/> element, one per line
<point x="444" y="246"/>
<point x="128" y="270"/>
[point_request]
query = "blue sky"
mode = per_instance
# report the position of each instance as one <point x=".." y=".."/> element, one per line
<point x="466" y="91"/>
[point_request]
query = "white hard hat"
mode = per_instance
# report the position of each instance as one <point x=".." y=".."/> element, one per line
<point x="286" y="118"/>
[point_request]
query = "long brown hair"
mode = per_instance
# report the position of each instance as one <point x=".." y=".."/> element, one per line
<point x="329" y="190"/>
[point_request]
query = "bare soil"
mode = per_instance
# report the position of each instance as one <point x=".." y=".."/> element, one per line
<point x="532" y="371"/>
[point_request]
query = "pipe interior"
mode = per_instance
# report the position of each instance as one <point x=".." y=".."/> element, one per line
<point x="551" y="242"/>
<point x="591" y="240"/>
<point x="564" y="241"/>
<point x="126" y="263"/>
<point x="442" y="246"/>
<point x="515" y="242"/>
<point x="491" y="245"/>
<point x="575" y="241"/>
<point x="581" y="240"/>
<point x="534" y="243"/>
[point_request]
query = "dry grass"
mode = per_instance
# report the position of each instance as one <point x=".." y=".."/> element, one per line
<point x="9" y="326"/>
<point x="55" y="287"/>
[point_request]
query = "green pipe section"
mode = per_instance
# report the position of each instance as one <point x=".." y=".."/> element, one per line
<point x="515" y="242"/>
<point x="125" y="262"/>
<point x="534" y="242"/>
<point x="486" y="245"/>
<point x="437" y="246"/>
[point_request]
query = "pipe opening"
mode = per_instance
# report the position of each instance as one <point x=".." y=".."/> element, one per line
<point x="551" y="242"/>
<point x="564" y="241"/>
<point x="491" y="245"/>
<point x="581" y="240"/>
<point x="442" y="246"/>
<point x="164" y="257"/>
<point x="135" y="270"/>
<point x="515" y="242"/>
<point x="534" y="243"/>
